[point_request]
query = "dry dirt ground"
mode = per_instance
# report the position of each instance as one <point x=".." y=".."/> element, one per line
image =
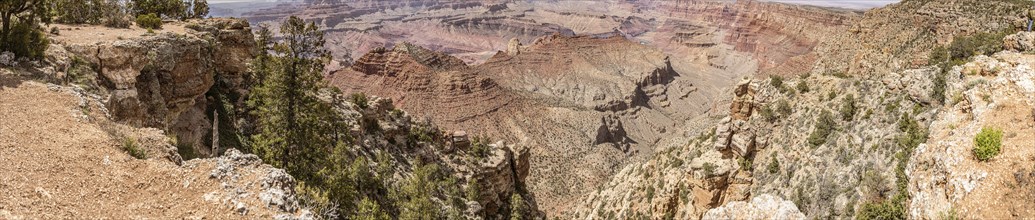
<point x="56" y="163"/>
<point x="88" y="34"/>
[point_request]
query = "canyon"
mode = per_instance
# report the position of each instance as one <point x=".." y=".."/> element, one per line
<point x="590" y="86"/>
<point x="492" y="109"/>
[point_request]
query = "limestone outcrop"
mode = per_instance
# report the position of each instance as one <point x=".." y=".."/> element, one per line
<point x="161" y="80"/>
<point x="945" y="176"/>
<point x="763" y="206"/>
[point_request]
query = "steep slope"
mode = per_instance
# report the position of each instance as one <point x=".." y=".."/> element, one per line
<point x="899" y="36"/>
<point x="946" y="177"/>
<point x="849" y="138"/>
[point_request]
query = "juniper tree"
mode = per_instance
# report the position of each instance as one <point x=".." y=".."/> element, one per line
<point x="20" y="32"/>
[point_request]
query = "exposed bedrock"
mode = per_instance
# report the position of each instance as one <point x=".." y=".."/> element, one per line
<point x="161" y="80"/>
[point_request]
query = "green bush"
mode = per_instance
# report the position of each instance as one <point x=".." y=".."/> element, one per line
<point x="783" y="108"/>
<point x="479" y="148"/>
<point x="149" y="21"/>
<point x="360" y="99"/>
<point x="777" y="82"/>
<point x="709" y="168"/>
<point x="987" y="143"/>
<point x="650" y="193"/>
<point x="186" y="151"/>
<point x="130" y="146"/>
<point x="848" y="108"/>
<point x="774" y="166"/>
<point x="160" y="8"/>
<point x="768" y="114"/>
<point x="745" y="163"/>
<point x="824" y="127"/>
<point x="938" y="54"/>
<point x="963" y="47"/>
<point x="26" y="40"/>
<point x="883" y="210"/>
<point x="517" y="207"/>
<point x="803" y="86"/>
<point x="473" y="191"/>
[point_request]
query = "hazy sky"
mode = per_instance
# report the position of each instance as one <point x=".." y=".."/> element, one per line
<point x="856" y="4"/>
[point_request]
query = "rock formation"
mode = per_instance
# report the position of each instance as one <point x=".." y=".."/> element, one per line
<point x="764" y="206"/>
<point x="161" y="80"/>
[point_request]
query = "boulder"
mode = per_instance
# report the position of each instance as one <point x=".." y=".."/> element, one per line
<point x="1020" y="42"/>
<point x="763" y="206"/>
<point x="514" y="47"/>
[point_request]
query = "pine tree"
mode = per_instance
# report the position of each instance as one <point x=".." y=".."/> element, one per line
<point x="292" y="121"/>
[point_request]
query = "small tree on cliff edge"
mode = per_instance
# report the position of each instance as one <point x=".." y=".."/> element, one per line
<point x="21" y="33"/>
<point x="292" y="121"/>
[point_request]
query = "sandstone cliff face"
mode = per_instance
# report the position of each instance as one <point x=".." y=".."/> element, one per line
<point x="161" y="80"/>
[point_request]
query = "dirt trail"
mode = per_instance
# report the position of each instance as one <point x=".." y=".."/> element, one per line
<point x="56" y="164"/>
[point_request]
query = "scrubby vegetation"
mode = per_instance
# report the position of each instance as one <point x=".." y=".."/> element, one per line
<point x="848" y="108"/>
<point x="111" y="13"/>
<point x="824" y="127"/>
<point x="130" y="146"/>
<point x="783" y="108"/>
<point x="768" y="114"/>
<point x="174" y="9"/>
<point x="912" y="135"/>
<point x="774" y="165"/>
<point x="149" y="21"/>
<point x="988" y="143"/>
<point x="803" y="86"/>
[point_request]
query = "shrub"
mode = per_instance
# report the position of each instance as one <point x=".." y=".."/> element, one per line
<point x="963" y="47"/>
<point x="473" y="190"/>
<point x="774" y="165"/>
<point x="517" y="207"/>
<point x="803" y="86"/>
<point x="709" y="169"/>
<point x="777" y="82"/>
<point x="26" y="40"/>
<point x="479" y="148"/>
<point x="884" y="210"/>
<point x="848" y="108"/>
<point x="768" y="114"/>
<point x="149" y="21"/>
<point x="160" y="8"/>
<point x="650" y="193"/>
<point x="745" y="163"/>
<point x="115" y="14"/>
<point x="199" y="9"/>
<point x="938" y="54"/>
<point x="824" y="127"/>
<point x="360" y="99"/>
<point x="987" y="143"/>
<point x="130" y="146"/>
<point x="783" y="108"/>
